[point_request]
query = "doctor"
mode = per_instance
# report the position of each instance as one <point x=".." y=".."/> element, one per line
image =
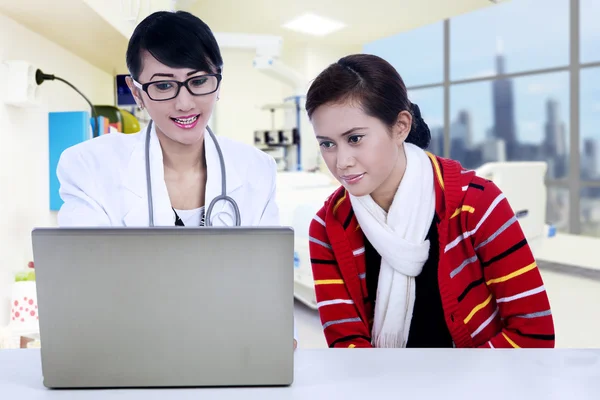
<point x="175" y="66"/>
<point x="174" y="172"/>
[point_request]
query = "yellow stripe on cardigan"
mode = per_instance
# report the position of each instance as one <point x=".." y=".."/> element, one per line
<point x="329" y="282"/>
<point x="512" y="275"/>
<point x="513" y="344"/>
<point x="477" y="308"/>
<point x="468" y="209"/>
<point x="352" y="346"/>
<point x="436" y="167"/>
<point x="339" y="202"/>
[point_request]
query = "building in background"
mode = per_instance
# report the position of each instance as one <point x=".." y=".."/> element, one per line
<point x="504" y="109"/>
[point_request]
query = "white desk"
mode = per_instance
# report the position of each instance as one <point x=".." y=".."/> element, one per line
<point x="367" y="374"/>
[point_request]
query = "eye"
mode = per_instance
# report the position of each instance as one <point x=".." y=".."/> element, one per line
<point x="326" y="144"/>
<point x="197" y="82"/>
<point x="163" y="86"/>
<point x="354" y="139"/>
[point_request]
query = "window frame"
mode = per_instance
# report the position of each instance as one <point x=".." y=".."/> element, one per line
<point x="573" y="179"/>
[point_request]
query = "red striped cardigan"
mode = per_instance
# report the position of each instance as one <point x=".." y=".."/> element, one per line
<point x="491" y="289"/>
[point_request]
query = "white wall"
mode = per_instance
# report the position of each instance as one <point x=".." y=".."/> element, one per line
<point x="24" y="143"/>
<point x="244" y="90"/>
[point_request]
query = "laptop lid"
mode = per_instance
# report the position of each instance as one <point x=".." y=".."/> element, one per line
<point x="165" y="307"/>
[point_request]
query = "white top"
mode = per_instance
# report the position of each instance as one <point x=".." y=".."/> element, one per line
<point x="193" y="217"/>
<point x="368" y="373"/>
<point x="103" y="182"/>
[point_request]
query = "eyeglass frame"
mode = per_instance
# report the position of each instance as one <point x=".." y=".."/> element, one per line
<point x="144" y="86"/>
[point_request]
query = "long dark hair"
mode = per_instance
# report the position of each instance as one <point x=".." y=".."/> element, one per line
<point x="176" y="39"/>
<point x="375" y="85"/>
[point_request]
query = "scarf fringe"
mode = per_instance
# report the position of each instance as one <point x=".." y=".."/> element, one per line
<point x="389" y="341"/>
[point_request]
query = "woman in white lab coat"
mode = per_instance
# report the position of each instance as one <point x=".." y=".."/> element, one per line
<point x="170" y="173"/>
<point x="175" y="66"/>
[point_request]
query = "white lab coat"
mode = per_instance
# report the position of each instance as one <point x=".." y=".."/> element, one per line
<point x="103" y="183"/>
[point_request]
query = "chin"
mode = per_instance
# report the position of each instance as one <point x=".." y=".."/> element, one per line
<point x="358" y="190"/>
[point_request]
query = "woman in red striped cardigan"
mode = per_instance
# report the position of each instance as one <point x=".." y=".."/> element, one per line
<point x="412" y="250"/>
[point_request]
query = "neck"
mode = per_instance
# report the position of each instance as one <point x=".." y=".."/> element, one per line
<point x="181" y="158"/>
<point x="384" y="194"/>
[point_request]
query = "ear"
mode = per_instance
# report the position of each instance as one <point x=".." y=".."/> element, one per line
<point x="135" y="91"/>
<point x="402" y="127"/>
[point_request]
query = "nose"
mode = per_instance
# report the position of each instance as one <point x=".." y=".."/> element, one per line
<point x="184" y="100"/>
<point x="345" y="159"/>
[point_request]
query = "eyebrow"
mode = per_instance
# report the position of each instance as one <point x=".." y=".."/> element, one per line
<point x="348" y="132"/>
<point x="171" y="75"/>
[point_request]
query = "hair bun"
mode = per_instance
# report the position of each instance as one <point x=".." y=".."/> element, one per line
<point x="416" y="110"/>
<point x="419" y="133"/>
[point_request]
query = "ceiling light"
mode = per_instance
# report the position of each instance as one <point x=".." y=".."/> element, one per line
<point x="313" y="25"/>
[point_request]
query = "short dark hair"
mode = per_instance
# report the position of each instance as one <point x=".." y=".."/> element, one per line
<point x="176" y="39"/>
<point x="372" y="83"/>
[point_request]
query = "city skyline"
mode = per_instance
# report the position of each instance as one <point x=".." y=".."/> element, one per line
<point x="502" y="140"/>
<point x="524" y="49"/>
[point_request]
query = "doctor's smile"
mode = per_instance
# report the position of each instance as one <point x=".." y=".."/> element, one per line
<point x="188" y="122"/>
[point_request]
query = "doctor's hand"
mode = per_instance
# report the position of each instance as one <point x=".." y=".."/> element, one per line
<point x="295" y="344"/>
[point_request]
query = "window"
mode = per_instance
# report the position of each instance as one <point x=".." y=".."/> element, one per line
<point x="589" y="30"/>
<point x="590" y="124"/>
<point x="522" y="119"/>
<point x="418" y="55"/>
<point x="530" y="34"/>
<point x="431" y="104"/>
<point x="590" y="211"/>
<point x="557" y="208"/>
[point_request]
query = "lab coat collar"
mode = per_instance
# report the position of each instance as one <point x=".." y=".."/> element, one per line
<point x="135" y="183"/>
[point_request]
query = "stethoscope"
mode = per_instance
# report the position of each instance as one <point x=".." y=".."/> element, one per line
<point x="223" y="196"/>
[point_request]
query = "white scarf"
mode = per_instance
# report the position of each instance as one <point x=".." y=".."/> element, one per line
<point x="399" y="238"/>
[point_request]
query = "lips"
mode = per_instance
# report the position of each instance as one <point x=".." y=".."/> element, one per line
<point x="188" y="119"/>
<point x="354" y="178"/>
<point x="186" y="122"/>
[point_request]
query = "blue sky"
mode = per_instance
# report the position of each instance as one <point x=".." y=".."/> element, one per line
<point x="532" y="34"/>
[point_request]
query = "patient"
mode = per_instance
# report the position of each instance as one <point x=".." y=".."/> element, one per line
<point x="412" y="250"/>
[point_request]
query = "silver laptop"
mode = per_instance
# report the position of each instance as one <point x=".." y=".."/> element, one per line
<point x="165" y="307"/>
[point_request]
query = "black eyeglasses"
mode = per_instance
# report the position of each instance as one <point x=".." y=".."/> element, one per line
<point x="200" y="85"/>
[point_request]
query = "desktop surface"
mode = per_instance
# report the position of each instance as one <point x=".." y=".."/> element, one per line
<point x="463" y="374"/>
